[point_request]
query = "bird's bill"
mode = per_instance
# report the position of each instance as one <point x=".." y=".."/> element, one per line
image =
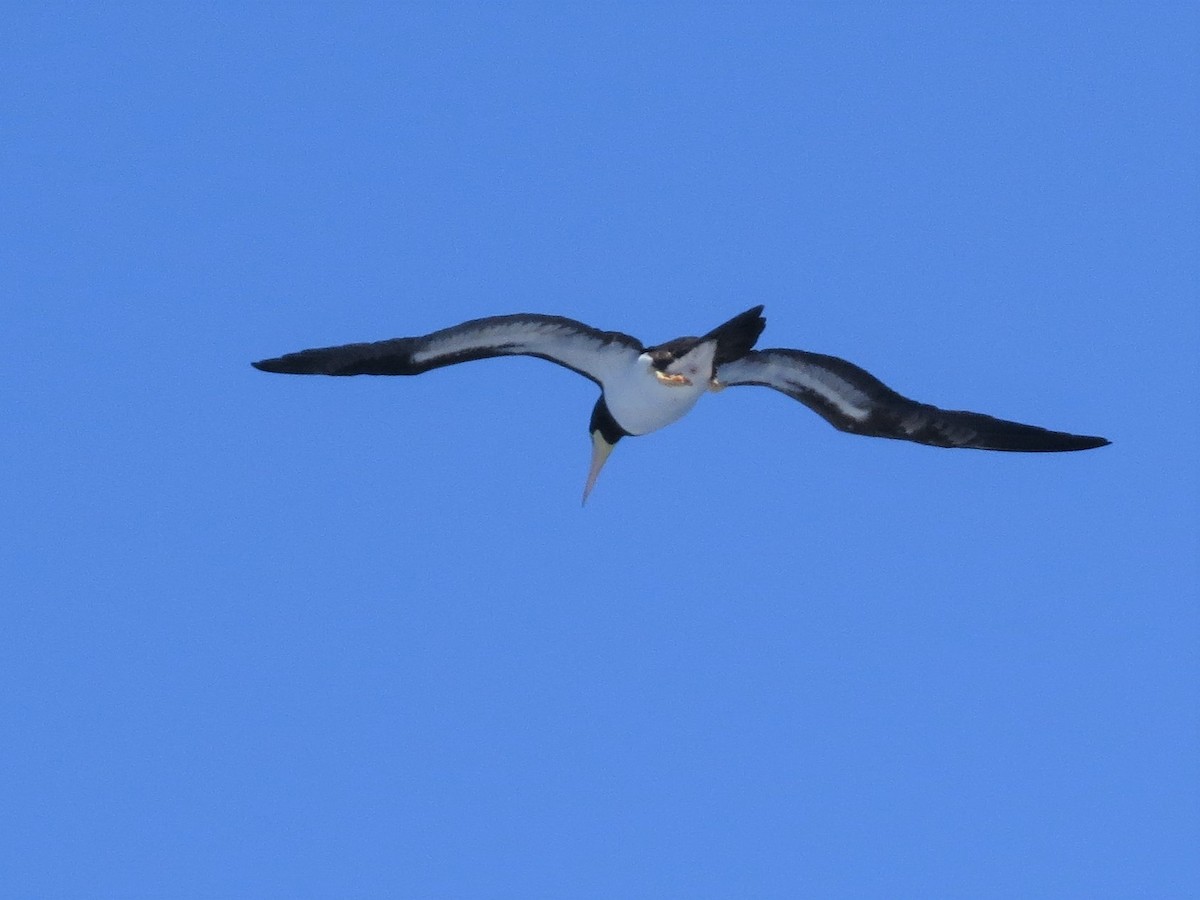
<point x="600" y="451"/>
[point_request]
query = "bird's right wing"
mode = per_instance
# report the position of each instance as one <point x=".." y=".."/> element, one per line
<point x="592" y="353"/>
<point x="853" y="400"/>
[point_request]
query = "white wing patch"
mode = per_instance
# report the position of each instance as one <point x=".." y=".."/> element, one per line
<point x="795" y="377"/>
<point x="453" y="341"/>
<point x="854" y="400"/>
<point x="598" y="354"/>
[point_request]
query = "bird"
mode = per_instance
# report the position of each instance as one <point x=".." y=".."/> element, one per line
<point x="643" y="389"/>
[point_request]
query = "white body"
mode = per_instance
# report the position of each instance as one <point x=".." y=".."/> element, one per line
<point x="642" y="402"/>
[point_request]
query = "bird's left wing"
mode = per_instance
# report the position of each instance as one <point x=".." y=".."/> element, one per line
<point x="592" y="353"/>
<point x="855" y="401"/>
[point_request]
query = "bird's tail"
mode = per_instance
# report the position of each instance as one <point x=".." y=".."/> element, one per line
<point x="737" y="336"/>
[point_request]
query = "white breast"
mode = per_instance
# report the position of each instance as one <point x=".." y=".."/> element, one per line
<point x="641" y="402"/>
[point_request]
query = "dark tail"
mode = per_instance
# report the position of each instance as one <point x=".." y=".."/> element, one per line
<point x="737" y="336"/>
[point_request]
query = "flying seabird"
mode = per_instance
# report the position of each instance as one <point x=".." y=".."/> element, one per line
<point x="643" y="389"/>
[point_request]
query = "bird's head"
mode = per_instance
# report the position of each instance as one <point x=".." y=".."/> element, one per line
<point x="605" y="433"/>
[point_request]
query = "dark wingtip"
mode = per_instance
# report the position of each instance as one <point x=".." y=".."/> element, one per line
<point x="306" y="362"/>
<point x="1057" y="441"/>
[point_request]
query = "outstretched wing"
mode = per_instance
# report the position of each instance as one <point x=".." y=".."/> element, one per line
<point x="590" y="352"/>
<point x="854" y="400"/>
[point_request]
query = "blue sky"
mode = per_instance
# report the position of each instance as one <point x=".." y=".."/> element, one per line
<point x="268" y="636"/>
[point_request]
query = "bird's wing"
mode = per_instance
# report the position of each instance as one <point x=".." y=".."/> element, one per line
<point x="590" y="352"/>
<point x="854" y="400"/>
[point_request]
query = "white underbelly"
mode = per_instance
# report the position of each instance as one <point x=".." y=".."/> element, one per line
<point x="641" y="403"/>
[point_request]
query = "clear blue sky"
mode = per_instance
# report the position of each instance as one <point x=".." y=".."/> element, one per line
<point x="302" y="637"/>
